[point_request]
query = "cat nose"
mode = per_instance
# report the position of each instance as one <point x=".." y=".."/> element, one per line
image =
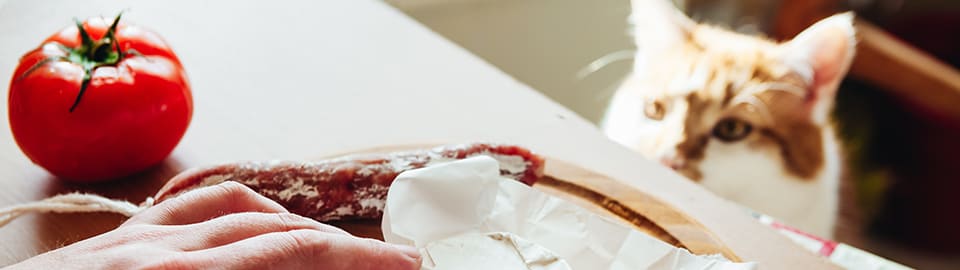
<point x="675" y="163"/>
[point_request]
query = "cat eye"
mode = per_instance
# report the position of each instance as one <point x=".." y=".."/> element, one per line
<point x="731" y="130"/>
<point x="654" y="110"/>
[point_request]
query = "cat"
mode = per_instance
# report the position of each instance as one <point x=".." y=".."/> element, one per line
<point x="745" y="117"/>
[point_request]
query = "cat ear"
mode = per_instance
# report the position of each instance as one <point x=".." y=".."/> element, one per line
<point x="822" y="55"/>
<point x="657" y="25"/>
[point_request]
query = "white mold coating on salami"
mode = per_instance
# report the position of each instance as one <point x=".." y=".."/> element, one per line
<point x="349" y="187"/>
<point x="294" y="188"/>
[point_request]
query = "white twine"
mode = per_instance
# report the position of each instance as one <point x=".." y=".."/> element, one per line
<point x="73" y="203"/>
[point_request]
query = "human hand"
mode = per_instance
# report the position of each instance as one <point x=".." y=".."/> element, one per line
<point x="226" y="226"/>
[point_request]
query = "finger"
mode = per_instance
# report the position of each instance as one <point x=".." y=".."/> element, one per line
<point x="235" y="227"/>
<point x="309" y="249"/>
<point x="206" y="203"/>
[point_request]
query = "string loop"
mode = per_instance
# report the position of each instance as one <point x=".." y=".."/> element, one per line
<point x="73" y="203"/>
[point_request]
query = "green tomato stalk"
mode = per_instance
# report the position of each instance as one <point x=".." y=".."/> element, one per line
<point x="91" y="54"/>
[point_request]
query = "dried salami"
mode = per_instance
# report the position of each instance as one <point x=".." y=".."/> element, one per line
<point x="351" y="187"/>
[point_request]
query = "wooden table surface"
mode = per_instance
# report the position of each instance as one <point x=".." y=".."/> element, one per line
<point x="302" y="79"/>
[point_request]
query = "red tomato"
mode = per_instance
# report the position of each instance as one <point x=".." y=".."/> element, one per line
<point x="102" y="107"/>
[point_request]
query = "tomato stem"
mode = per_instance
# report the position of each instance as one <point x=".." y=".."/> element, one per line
<point x="90" y="55"/>
<point x="94" y="54"/>
<point x="40" y="64"/>
<point x="84" y="37"/>
<point x="83" y="88"/>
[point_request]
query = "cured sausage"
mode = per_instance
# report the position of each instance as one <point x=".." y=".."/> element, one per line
<point x="350" y="187"/>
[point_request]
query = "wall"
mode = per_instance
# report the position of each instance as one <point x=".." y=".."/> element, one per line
<point x="542" y="43"/>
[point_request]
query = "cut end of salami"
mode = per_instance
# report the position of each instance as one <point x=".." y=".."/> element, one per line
<point x="349" y="187"/>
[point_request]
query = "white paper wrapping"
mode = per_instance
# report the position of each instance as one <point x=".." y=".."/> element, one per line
<point x="499" y="250"/>
<point x="470" y="196"/>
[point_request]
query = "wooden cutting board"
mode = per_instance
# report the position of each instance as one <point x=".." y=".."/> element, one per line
<point x="601" y="194"/>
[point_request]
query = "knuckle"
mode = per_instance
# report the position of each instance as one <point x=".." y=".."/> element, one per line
<point x="307" y="243"/>
<point x="333" y="229"/>
<point x="232" y="188"/>
<point x="377" y="249"/>
<point x="287" y="220"/>
<point x="225" y="191"/>
<point x="372" y="246"/>
<point x="173" y="209"/>
<point x="159" y="212"/>
<point x="237" y="192"/>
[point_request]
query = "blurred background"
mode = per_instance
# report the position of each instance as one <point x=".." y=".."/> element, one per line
<point x="899" y="110"/>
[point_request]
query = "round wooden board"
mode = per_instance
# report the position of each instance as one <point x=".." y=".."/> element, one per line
<point x="603" y="195"/>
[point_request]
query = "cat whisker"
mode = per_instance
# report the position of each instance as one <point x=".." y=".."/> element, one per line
<point x="603" y="61"/>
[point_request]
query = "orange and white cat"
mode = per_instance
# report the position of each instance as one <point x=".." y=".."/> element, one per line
<point x="746" y="117"/>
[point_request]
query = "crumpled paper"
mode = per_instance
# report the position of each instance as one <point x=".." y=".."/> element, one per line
<point x="470" y="196"/>
<point x="498" y="250"/>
